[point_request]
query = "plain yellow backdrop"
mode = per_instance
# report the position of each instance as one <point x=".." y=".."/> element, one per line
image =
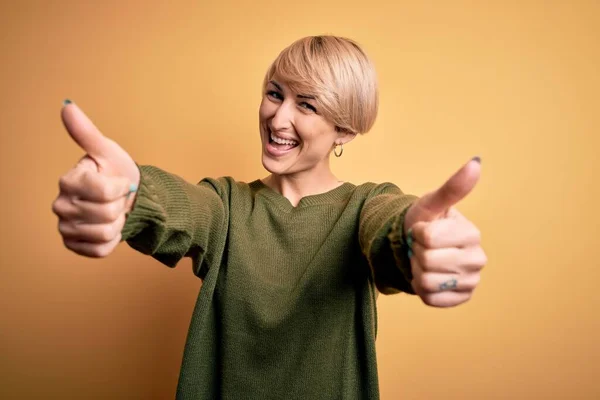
<point x="178" y="85"/>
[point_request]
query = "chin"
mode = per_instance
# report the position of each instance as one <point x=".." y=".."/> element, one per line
<point x="272" y="166"/>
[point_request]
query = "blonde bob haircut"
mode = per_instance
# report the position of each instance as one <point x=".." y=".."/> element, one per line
<point x="338" y="73"/>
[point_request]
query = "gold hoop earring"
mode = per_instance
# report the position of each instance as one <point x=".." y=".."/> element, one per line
<point x="341" y="150"/>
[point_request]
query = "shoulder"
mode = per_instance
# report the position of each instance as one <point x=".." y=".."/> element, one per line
<point x="369" y="190"/>
<point x="230" y="188"/>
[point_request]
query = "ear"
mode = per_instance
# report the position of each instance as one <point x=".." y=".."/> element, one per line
<point x="344" y="135"/>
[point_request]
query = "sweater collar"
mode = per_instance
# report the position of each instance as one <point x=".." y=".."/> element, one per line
<point x="335" y="195"/>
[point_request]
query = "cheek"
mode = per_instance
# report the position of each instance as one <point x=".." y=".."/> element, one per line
<point x="265" y="110"/>
<point x="317" y="143"/>
<point x="319" y="136"/>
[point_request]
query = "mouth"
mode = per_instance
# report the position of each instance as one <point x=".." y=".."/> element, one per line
<point x="278" y="146"/>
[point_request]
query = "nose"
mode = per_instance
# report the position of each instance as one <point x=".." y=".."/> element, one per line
<point x="283" y="119"/>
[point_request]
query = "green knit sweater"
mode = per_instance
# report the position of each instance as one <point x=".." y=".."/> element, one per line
<point x="287" y="308"/>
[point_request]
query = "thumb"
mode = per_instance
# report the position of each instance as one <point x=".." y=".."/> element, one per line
<point x="436" y="203"/>
<point x="84" y="132"/>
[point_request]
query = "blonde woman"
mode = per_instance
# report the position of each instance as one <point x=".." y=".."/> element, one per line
<point x="292" y="263"/>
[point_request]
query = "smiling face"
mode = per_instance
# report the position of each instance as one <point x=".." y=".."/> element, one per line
<point x="320" y="91"/>
<point x="295" y="136"/>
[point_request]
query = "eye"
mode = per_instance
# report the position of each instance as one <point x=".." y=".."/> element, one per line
<point x="274" y="94"/>
<point x="308" y="106"/>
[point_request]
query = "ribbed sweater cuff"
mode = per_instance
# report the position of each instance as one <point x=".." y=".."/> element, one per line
<point x="146" y="208"/>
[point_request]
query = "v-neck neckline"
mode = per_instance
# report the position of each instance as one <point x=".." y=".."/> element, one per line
<point x="331" y="196"/>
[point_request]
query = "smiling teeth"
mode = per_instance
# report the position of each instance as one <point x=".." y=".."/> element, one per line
<point x="282" y="141"/>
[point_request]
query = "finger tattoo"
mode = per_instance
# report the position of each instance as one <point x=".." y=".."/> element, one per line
<point x="449" y="284"/>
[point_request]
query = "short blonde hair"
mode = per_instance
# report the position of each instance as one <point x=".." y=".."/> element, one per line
<point x="338" y="73"/>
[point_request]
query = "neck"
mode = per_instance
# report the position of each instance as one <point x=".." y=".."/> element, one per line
<point x="298" y="185"/>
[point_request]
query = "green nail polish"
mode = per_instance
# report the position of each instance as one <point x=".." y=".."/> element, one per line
<point x="410" y="253"/>
<point x="66" y="102"/>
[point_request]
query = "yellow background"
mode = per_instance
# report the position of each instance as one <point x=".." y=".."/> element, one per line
<point x="178" y="86"/>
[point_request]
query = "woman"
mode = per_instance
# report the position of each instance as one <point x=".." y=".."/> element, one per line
<point x="291" y="264"/>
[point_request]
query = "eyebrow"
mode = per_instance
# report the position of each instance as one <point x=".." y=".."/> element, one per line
<point x="301" y="96"/>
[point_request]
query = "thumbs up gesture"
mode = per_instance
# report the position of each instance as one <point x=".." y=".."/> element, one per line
<point x="444" y="247"/>
<point x="96" y="194"/>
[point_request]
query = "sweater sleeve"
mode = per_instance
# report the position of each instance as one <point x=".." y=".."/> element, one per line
<point x="172" y="218"/>
<point x="382" y="238"/>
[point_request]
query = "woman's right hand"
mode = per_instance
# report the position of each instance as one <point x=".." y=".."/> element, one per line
<point x="95" y="195"/>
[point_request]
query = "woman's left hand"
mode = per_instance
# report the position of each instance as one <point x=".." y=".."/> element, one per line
<point x="445" y="247"/>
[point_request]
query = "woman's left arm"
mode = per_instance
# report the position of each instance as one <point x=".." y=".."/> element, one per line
<point x="382" y="241"/>
<point x="424" y="246"/>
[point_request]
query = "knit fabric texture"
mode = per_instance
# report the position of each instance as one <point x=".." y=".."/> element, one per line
<point x="287" y="307"/>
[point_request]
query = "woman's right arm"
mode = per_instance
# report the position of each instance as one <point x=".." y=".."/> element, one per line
<point x="172" y="218"/>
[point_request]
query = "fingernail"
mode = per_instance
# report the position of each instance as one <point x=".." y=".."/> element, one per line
<point x="66" y="102"/>
<point x="410" y="253"/>
<point x="409" y="238"/>
<point x="478" y="159"/>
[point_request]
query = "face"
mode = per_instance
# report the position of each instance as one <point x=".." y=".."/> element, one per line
<point x="295" y="137"/>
